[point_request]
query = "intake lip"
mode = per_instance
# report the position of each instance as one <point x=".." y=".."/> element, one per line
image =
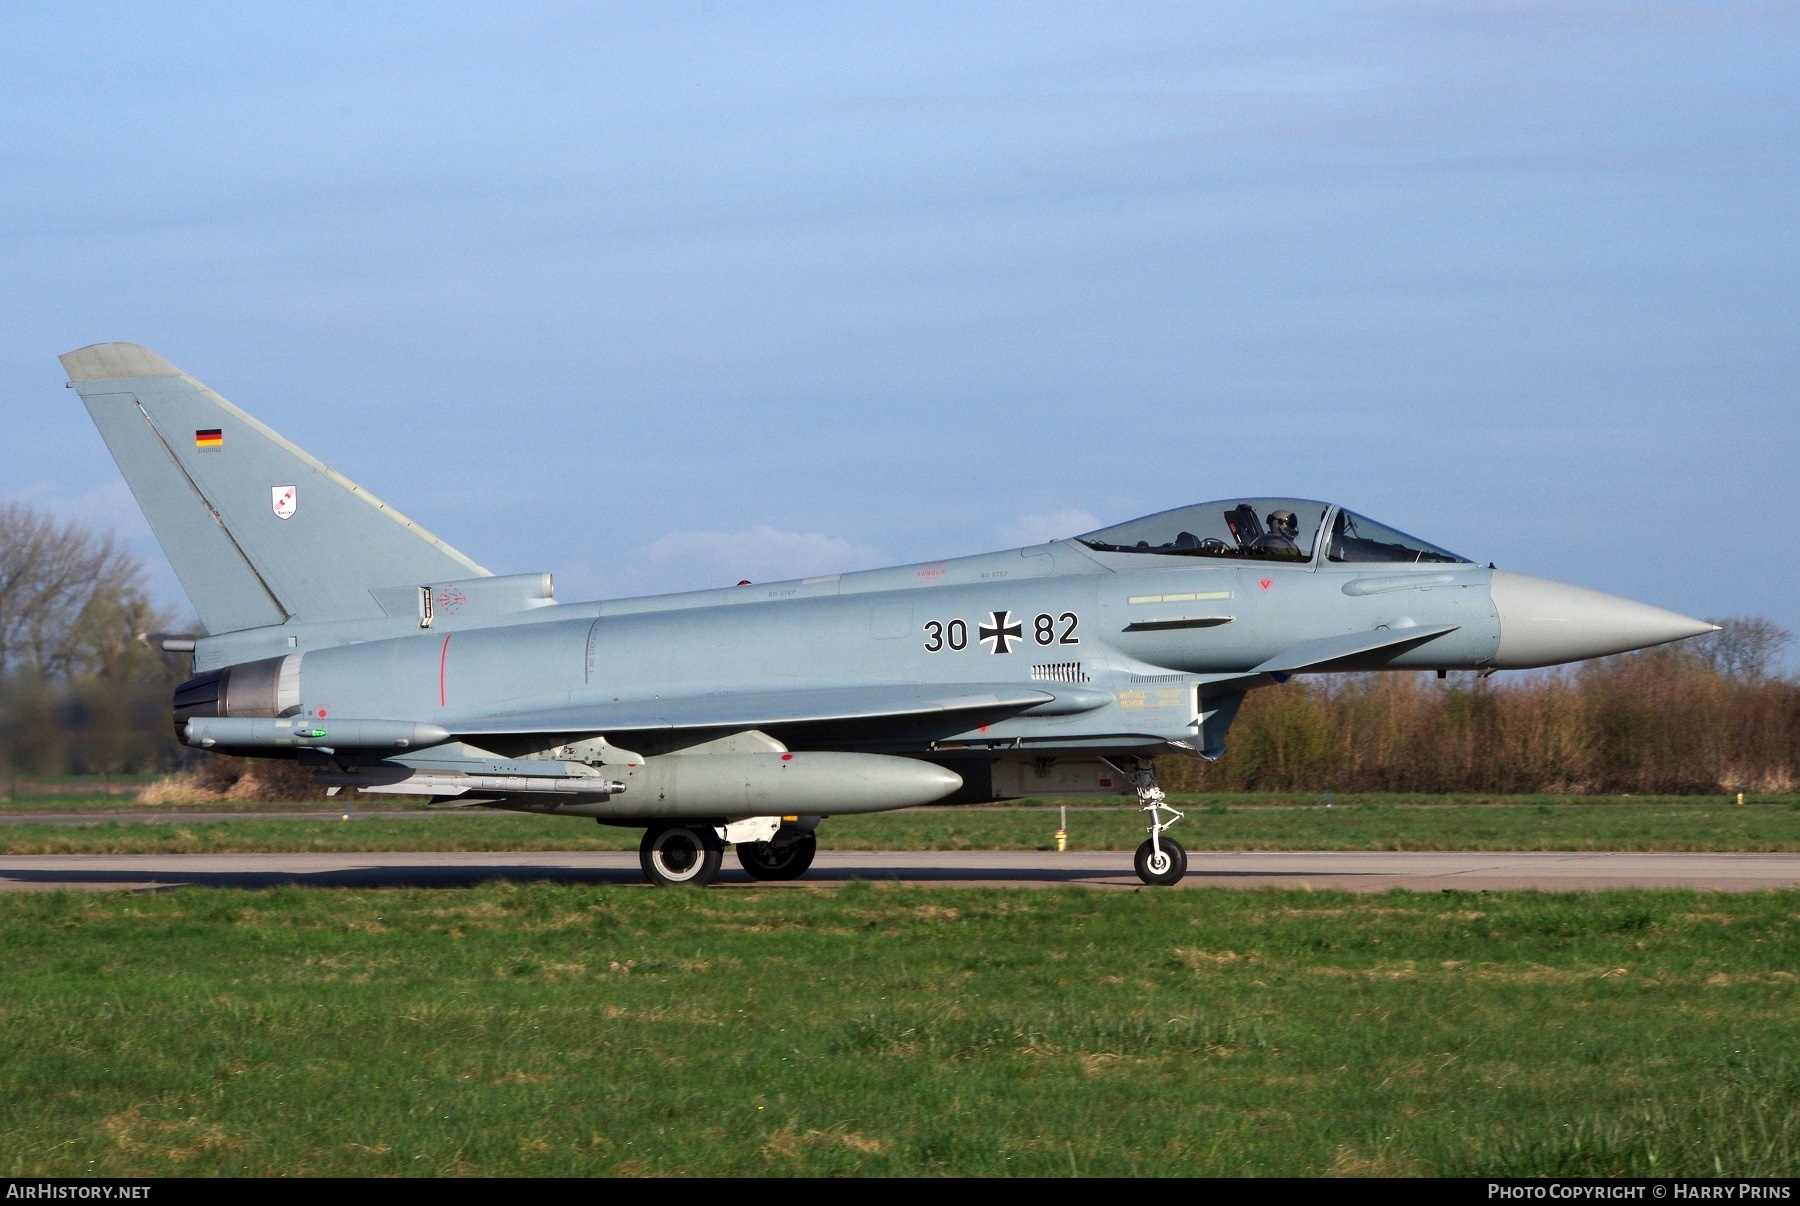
<point x="1545" y="623"/>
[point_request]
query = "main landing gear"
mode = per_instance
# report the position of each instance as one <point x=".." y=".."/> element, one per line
<point x="673" y="854"/>
<point x="681" y="854"/>
<point x="782" y="857"/>
<point x="1161" y="860"/>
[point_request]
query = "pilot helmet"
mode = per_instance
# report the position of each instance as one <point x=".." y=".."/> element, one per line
<point x="1284" y="523"/>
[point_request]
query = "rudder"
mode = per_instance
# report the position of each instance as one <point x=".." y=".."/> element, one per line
<point x="258" y="531"/>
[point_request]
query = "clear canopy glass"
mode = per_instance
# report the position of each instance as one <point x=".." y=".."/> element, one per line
<point x="1244" y="529"/>
<point x="1265" y="529"/>
<point x="1354" y="538"/>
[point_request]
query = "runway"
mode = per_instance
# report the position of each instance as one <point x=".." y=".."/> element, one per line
<point x="1354" y="871"/>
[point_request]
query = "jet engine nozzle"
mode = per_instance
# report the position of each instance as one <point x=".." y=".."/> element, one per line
<point x="258" y="690"/>
<point x="1544" y="623"/>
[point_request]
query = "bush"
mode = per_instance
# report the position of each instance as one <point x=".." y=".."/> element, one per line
<point x="220" y="777"/>
<point x="1662" y="721"/>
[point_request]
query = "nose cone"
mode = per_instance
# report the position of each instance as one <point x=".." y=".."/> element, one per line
<point x="1543" y="623"/>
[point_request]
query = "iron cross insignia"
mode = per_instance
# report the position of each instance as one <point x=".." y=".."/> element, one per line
<point x="1000" y="631"/>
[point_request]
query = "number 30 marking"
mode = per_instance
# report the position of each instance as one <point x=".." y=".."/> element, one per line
<point x="955" y="634"/>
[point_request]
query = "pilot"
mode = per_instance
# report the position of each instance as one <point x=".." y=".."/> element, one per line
<point x="1280" y="534"/>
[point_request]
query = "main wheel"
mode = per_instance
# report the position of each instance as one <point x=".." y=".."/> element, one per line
<point x="680" y="854"/>
<point x="1165" y="868"/>
<point x="778" y="860"/>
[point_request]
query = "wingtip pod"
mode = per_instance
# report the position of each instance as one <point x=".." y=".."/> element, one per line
<point x="115" y="362"/>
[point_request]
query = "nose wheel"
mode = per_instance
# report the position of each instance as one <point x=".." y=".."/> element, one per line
<point x="1163" y="867"/>
<point x="1162" y="860"/>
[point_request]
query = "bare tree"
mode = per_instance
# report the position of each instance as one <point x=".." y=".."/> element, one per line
<point x="71" y="602"/>
<point x="80" y="691"/>
<point x="1745" y="648"/>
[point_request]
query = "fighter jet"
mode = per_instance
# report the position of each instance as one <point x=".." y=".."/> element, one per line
<point x="343" y="635"/>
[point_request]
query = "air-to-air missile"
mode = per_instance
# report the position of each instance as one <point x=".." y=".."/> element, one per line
<point x="344" y="636"/>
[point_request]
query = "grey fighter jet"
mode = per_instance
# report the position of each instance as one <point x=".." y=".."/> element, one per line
<point x="345" y="636"/>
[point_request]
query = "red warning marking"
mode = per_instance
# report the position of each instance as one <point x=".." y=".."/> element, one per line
<point x="982" y="727"/>
<point x="443" y="657"/>
<point x="1265" y="583"/>
<point x="787" y="757"/>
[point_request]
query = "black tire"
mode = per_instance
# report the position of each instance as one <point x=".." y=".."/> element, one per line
<point x="779" y="859"/>
<point x="681" y="855"/>
<point x="1173" y="864"/>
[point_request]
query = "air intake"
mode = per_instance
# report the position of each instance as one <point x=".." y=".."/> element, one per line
<point x="1058" y="672"/>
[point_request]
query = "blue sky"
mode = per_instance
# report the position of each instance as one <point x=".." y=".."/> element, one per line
<point x="662" y="296"/>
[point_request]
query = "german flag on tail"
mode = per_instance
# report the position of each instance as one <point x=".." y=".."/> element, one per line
<point x="210" y="437"/>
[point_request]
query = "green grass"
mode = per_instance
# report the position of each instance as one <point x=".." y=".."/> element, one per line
<point x="572" y="1030"/>
<point x="84" y="801"/>
<point x="58" y="797"/>
<point x="74" y="782"/>
<point x="1210" y="825"/>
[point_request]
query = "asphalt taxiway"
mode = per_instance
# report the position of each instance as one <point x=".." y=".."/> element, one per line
<point x="1355" y="871"/>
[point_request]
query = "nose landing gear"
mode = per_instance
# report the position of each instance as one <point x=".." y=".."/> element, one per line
<point x="1162" y="860"/>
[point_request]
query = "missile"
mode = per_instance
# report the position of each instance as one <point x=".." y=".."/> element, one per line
<point x="244" y="733"/>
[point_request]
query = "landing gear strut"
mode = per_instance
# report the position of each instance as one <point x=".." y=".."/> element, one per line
<point x="1161" y="860"/>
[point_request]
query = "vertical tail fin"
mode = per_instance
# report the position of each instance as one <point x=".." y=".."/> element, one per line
<point x="258" y="531"/>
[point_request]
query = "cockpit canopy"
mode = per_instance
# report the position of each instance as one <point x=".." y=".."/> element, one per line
<point x="1264" y="529"/>
<point x="1354" y="538"/>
